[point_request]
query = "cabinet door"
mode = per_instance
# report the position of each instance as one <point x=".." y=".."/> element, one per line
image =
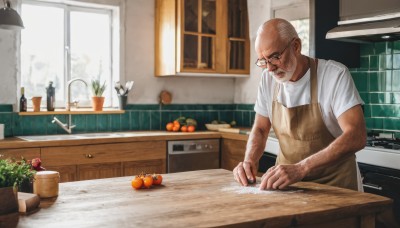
<point x="17" y="154"/>
<point x="232" y="152"/>
<point x="148" y="166"/>
<point x="97" y="171"/>
<point x="238" y="37"/>
<point x="67" y="172"/>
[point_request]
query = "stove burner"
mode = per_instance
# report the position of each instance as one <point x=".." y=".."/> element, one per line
<point x="383" y="143"/>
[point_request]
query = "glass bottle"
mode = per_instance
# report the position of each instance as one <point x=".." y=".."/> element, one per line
<point x="50" y="96"/>
<point x="22" y="101"/>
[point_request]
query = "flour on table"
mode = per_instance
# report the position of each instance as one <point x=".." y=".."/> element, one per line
<point x="254" y="190"/>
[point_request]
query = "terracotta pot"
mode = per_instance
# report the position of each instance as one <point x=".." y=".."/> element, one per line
<point x="9" y="200"/>
<point x="97" y="103"/>
<point x="36" y="103"/>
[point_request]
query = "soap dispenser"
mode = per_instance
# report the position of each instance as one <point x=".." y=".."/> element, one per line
<point x="50" y="97"/>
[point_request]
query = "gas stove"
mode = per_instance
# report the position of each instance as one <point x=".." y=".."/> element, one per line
<point x="386" y="143"/>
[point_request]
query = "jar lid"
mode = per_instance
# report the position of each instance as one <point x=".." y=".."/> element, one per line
<point x="47" y="174"/>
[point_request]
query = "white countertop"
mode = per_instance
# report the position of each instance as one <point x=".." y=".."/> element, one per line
<point x="369" y="155"/>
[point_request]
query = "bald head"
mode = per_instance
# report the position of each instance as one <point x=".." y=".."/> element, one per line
<point x="277" y="28"/>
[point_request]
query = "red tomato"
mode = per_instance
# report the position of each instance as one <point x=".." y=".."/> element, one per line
<point x="137" y="183"/>
<point x="157" y="179"/>
<point x="147" y="181"/>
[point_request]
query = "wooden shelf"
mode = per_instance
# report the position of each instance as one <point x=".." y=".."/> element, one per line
<point x="78" y="111"/>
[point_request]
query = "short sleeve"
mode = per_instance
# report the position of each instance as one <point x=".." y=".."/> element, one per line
<point x="261" y="105"/>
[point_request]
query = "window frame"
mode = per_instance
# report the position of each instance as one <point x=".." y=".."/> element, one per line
<point x="113" y="13"/>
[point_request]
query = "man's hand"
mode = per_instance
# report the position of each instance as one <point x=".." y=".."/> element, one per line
<point x="281" y="176"/>
<point x="244" y="173"/>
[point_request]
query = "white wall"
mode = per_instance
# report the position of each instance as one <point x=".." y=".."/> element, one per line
<point x="139" y="62"/>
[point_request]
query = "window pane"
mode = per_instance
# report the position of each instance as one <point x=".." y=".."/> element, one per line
<point x="42" y="52"/>
<point x="191" y="14"/>
<point x="206" y="53"/>
<point x="190" y="51"/>
<point x="208" y="22"/>
<point x="90" y="53"/>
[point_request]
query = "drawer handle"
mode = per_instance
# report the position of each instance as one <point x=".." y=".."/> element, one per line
<point x="376" y="187"/>
<point x="89" y="156"/>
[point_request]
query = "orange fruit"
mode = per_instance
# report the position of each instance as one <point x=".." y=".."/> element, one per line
<point x="191" y="129"/>
<point x="175" y="128"/>
<point x="148" y="181"/>
<point x="184" y="128"/>
<point x="157" y="179"/>
<point x="137" y="183"/>
<point x="169" y="126"/>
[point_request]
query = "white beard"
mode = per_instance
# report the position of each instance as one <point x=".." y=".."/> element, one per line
<point x="287" y="75"/>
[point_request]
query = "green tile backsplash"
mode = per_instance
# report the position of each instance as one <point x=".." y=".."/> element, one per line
<point x="378" y="82"/>
<point x="136" y="117"/>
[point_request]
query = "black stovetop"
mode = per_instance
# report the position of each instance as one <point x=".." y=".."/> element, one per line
<point x="386" y="143"/>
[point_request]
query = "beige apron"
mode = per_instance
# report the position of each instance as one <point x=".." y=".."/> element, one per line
<point x="301" y="132"/>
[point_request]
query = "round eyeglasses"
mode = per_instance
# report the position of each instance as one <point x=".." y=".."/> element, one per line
<point x="274" y="59"/>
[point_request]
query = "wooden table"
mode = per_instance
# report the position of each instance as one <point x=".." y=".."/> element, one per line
<point x="202" y="198"/>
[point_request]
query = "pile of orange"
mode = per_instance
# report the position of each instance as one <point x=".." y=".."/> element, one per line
<point x="146" y="180"/>
<point x="176" y="126"/>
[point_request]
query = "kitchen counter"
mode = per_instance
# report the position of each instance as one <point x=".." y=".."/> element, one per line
<point x="201" y="198"/>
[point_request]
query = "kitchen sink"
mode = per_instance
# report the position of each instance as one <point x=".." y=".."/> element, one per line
<point x="85" y="136"/>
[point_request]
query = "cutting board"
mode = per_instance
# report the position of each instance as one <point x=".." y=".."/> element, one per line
<point x="234" y="130"/>
<point x="204" y="198"/>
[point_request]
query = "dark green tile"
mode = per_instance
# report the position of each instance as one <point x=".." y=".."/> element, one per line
<point x="367" y="49"/>
<point x="51" y="127"/>
<point x="364" y="62"/>
<point x="135" y="120"/>
<point x="382" y="48"/>
<point x="91" y="123"/>
<point x="6" y="119"/>
<point x="367" y="110"/>
<point x="6" y="108"/>
<point x="246" y="119"/>
<point x="27" y="125"/>
<point x="144" y="120"/>
<point x="238" y="117"/>
<point x="395" y="98"/>
<point x="143" y="107"/>
<point x="365" y="97"/>
<point x="103" y="123"/>
<point x="62" y="119"/>
<point x="252" y="117"/>
<point x="385" y="62"/>
<point x="375" y="82"/>
<point x="16" y="124"/>
<point x="360" y="82"/>
<point x="381" y="111"/>
<point x="374" y="123"/>
<point x="80" y="123"/>
<point x="188" y="114"/>
<point x="126" y="121"/>
<point x="389" y="83"/>
<point x="115" y="122"/>
<point x="396" y="81"/>
<point x="245" y="107"/>
<point x="396" y="46"/>
<point x="391" y="124"/>
<point x="210" y="116"/>
<point x="396" y="61"/>
<point x="226" y="116"/>
<point x="168" y="116"/>
<point x="155" y="120"/>
<point x="373" y="62"/>
<point x="397" y="135"/>
<point x="381" y="98"/>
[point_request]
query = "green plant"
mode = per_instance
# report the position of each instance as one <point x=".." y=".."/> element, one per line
<point x="97" y="88"/>
<point x="15" y="173"/>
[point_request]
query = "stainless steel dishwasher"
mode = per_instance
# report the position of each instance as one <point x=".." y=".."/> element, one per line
<point x="189" y="155"/>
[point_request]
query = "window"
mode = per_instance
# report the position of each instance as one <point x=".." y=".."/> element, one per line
<point x="297" y="12"/>
<point x="61" y="42"/>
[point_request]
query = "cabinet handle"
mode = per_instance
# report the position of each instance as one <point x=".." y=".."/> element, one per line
<point x="376" y="187"/>
<point x="89" y="156"/>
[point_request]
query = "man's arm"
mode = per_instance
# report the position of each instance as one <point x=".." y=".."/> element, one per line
<point x="247" y="169"/>
<point x="352" y="140"/>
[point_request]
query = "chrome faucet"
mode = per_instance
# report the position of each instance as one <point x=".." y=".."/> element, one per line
<point x="68" y="105"/>
<point x="68" y="127"/>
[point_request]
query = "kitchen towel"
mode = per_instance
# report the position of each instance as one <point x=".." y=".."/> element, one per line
<point x="1" y="131"/>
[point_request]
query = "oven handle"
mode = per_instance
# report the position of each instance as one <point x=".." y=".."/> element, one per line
<point x="376" y="187"/>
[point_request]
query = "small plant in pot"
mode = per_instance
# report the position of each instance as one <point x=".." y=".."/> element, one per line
<point x="97" y="91"/>
<point x="12" y="176"/>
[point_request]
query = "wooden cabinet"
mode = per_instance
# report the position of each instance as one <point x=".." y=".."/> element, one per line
<point x="105" y="160"/>
<point x="232" y="152"/>
<point x="198" y="37"/>
<point x="17" y="154"/>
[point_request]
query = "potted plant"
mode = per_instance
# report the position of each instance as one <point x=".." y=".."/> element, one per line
<point x="12" y="176"/>
<point x="97" y="91"/>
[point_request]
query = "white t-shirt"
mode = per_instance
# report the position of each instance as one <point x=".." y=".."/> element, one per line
<point x="336" y="93"/>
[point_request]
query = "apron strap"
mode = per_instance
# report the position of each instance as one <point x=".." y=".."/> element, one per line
<point x="314" y="84"/>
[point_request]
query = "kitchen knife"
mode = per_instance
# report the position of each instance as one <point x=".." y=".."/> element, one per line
<point x="234" y="130"/>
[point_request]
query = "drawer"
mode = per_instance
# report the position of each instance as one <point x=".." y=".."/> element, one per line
<point x="99" y="153"/>
<point x="17" y="154"/>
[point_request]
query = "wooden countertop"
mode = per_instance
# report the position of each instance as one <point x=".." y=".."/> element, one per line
<point x="14" y="142"/>
<point x="200" y="198"/>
